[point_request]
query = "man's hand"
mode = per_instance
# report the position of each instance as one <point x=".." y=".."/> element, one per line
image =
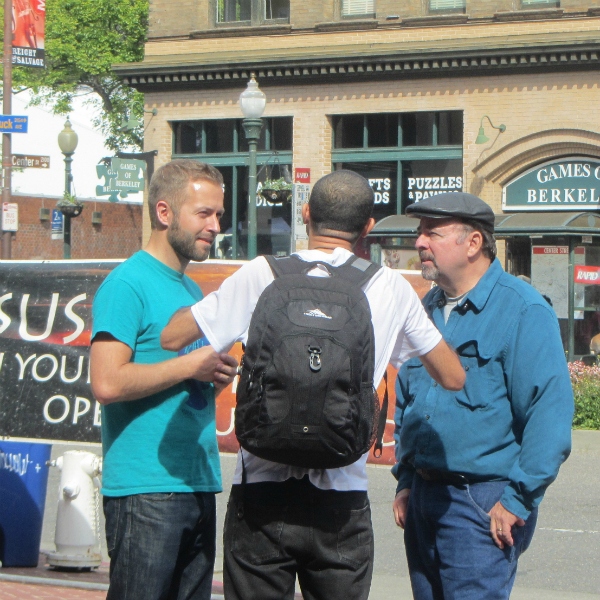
<point x="215" y="367"/>
<point x="400" y="507"/>
<point x="225" y="372"/>
<point x="501" y="525"/>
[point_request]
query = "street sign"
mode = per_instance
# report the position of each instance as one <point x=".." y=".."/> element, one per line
<point x="10" y="216"/>
<point x="30" y="161"/>
<point x="56" y="228"/>
<point x="13" y="124"/>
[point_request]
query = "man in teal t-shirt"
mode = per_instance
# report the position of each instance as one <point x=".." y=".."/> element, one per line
<point x="161" y="460"/>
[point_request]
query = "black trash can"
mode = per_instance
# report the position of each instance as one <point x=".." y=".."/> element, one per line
<point x="23" y="483"/>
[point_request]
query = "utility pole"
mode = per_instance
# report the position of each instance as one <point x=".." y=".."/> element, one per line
<point x="7" y="110"/>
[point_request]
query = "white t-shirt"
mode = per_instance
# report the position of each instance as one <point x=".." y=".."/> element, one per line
<point x="401" y="326"/>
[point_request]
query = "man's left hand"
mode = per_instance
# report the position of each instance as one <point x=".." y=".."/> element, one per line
<point x="225" y="372"/>
<point x="501" y="525"/>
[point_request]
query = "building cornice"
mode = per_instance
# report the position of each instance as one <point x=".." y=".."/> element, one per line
<point x="368" y="61"/>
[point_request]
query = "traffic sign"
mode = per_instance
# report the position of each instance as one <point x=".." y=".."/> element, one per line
<point x="30" y="161"/>
<point x="13" y="124"/>
<point x="10" y="216"/>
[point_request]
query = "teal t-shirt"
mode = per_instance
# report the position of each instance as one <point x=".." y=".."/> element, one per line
<point x="166" y="442"/>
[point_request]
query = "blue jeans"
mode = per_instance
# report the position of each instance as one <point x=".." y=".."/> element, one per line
<point x="450" y="551"/>
<point x="161" y="546"/>
<point x="275" y="531"/>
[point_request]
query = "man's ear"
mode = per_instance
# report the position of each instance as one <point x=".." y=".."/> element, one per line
<point x="305" y="213"/>
<point x="164" y="214"/>
<point x="475" y="240"/>
<point x="367" y="228"/>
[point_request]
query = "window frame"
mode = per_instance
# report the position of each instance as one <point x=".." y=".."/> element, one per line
<point x="258" y="16"/>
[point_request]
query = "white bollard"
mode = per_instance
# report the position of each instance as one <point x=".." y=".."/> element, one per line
<point x="77" y="535"/>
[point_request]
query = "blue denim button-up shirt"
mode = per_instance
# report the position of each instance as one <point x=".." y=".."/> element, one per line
<point x="513" y="418"/>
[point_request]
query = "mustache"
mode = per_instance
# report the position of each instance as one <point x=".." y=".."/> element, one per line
<point x="425" y="256"/>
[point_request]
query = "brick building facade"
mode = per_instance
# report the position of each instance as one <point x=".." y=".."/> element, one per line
<point x="118" y="235"/>
<point x="398" y="91"/>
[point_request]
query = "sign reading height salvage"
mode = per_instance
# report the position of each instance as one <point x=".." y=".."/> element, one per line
<point x="569" y="184"/>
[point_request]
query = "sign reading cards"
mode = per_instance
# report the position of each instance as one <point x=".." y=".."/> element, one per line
<point x="587" y="275"/>
<point x="569" y="184"/>
<point x="13" y="124"/>
<point x="27" y="161"/>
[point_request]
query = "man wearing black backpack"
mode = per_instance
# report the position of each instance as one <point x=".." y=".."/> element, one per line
<point x="302" y="403"/>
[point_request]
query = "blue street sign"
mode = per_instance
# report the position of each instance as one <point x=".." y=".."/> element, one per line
<point x="13" y="124"/>
<point x="56" y="228"/>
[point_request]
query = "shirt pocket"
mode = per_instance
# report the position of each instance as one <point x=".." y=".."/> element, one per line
<point x="476" y="394"/>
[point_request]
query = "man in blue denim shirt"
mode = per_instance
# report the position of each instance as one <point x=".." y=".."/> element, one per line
<point x="473" y="465"/>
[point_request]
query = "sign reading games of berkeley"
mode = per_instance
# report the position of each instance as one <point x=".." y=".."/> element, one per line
<point x="569" y="184"/>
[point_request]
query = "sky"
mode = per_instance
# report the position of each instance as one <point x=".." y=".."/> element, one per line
<point x="41" y="139"/>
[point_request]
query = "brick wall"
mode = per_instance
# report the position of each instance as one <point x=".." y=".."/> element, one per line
<point x="169" y="18"/>
<point x="119" y="235"/>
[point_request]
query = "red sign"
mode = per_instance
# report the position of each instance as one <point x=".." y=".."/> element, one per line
<point x="587" y="275"/>
<point x="28" y="23"/>
<point x="548" y="250"/>
<point x="302" y="175"/>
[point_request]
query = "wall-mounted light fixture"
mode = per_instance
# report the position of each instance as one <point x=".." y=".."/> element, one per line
<point x="481" y="137"/>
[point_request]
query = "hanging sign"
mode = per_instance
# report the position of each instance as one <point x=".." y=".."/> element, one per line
<point x="124" y="176"/>
<point x="567" y="184"/>
<point x="28" y="23"/>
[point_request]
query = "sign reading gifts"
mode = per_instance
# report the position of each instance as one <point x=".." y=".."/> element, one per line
<point x="569" y="184"/>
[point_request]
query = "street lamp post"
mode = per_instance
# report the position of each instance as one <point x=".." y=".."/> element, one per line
<point x="252" y="103"/>
<point x="67" y="142"/>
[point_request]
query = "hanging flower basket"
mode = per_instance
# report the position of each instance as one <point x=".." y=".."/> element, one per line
<point x="70" y="206"/>
<point x="276" y="190"/>
<point x="276" y="196"/>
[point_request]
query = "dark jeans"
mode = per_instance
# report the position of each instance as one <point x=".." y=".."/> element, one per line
<point x="274" y="531"/>
<point x="161" y="546"/>
<point x="450" y="550"/>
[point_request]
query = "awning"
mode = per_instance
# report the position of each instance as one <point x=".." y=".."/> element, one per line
<point x="515" y="224"/>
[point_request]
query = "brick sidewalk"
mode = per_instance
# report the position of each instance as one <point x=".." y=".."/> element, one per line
<point x="24" y="591"/>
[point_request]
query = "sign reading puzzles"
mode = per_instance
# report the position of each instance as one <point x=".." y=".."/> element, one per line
<point x="124" y="176"/>
<point x="569" y="184"/>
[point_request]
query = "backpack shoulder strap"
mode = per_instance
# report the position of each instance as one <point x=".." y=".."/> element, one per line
<point x="358" y="270"/>
<point x="288" y="265"/>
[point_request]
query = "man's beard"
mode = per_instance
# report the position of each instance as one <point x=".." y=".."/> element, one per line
<point x="429" y="272"/>
<point x="184" y="243"/>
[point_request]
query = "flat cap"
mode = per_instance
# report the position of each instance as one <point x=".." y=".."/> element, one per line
<point x="458" y="205"/>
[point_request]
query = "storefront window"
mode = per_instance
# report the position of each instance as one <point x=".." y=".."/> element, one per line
<point x="388" y="130"/>
<point x="222" y="143"/>
<point x="406" y="157"/>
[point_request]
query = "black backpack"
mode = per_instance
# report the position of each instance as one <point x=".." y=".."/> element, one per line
<point x="305" y="395"/>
